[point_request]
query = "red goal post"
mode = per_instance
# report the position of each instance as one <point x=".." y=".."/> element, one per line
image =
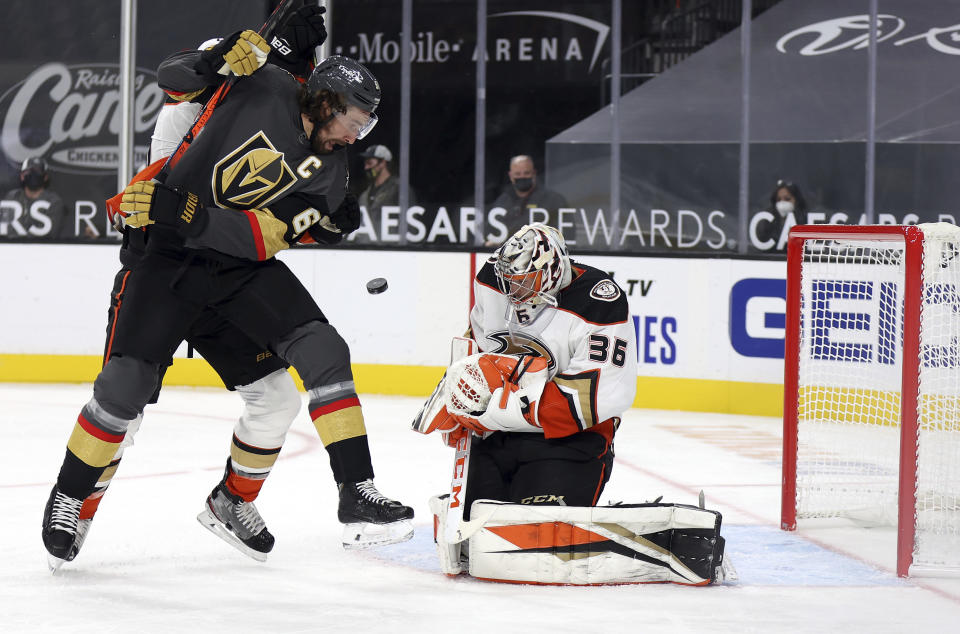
<point x="872" y="384"/>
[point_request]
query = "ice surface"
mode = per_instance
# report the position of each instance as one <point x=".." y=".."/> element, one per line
<point x="148" y="566"/>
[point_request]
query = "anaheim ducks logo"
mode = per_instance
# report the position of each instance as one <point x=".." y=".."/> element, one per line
<point x="522" y="344"/>
<point x="252" y="175"/>
<point x="605" y="290"/>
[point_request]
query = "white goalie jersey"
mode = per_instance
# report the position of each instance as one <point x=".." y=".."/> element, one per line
<point x="588" y="341"/>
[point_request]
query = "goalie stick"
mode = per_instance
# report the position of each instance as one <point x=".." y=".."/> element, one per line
<point x="460" y="347"/>
<point x="456" y="529"/>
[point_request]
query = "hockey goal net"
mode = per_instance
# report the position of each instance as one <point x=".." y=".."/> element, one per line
<point x="872" y="385"/>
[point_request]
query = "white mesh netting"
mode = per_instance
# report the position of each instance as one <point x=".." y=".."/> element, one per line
<point x="467" y="390"/>
<point x="850" y="373"/>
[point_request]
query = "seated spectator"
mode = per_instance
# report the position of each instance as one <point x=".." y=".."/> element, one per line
<point x="523" y="194"/>
<point x="788" y="207"/>
<point x="383" y="186"/>
<point x="33" y="210"/>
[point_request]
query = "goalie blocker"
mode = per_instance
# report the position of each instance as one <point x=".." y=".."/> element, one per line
<point x="569" y="545"/>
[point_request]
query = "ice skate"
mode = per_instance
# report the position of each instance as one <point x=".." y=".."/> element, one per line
<point x="62" y="534"/>
<point x="236" y="522"/>
<point x="371" y="519"/>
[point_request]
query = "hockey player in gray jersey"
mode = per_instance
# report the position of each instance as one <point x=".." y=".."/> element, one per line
<point x="267" y="171"/>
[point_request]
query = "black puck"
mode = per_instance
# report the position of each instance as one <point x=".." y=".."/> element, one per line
<point x="377" y="285"/>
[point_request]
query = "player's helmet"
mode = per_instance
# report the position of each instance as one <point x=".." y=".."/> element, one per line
<point x="351" y="80"/>
<point x="533" y="265"/>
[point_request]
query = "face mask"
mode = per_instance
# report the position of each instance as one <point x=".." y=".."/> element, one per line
<point x="523" y="184"/>
<point x="33" y="180"/>
<point x="784" y="207"/>
<point x="372" y="173"/>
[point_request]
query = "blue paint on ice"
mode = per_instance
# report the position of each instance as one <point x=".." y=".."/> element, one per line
<point x="762" y="556"/>
<point x="768" y="556"/>
<point x="419" y="552"/>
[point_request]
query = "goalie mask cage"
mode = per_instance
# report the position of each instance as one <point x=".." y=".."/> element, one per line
<point x="871" y="422"/>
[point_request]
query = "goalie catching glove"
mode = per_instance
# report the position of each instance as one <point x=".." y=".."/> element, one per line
<point x="147" y="202"/>
<point x="242" y="53"/>
<point x="486" y="393"/>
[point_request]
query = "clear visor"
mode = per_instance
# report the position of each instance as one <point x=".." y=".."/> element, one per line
<point x="357" y="122"/>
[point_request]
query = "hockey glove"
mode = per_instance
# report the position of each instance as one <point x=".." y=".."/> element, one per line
<point x="509" y="410"/>
<point x="148" y="202"/>
<point x="300" y="33"/>
<point x="347" y="217"/>
<point x="334" y="228"/>
<point x="242" y="53"/>
<point x="496" y="392"/>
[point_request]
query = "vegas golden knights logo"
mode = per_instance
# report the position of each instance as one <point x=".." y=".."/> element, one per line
<point x="252" y="175"/>
<point x="523" y="345"/>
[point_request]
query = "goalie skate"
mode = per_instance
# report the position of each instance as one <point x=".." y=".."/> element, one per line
<point x="236" y="522"/>
<point x="371" y="519"/>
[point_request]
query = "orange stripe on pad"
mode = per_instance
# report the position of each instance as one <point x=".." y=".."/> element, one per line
<point x="545" y="535"/>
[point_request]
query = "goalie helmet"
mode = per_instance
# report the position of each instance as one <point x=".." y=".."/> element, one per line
<point x="533" y="265"/>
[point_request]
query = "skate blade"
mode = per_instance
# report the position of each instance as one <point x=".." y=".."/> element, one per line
<point x="54" y="563"/>
<point x="726" y="573"/>
<point x="210" y="522"/>
<point x="361" y="535"/>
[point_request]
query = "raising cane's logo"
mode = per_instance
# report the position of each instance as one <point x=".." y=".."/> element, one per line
<point x="71" y="116"/>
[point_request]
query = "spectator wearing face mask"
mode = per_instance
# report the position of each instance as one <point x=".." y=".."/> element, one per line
<point x="788" y="208"/>
<point x="383" y="187"/>
<point x="523" y="195"/>
<point x="32" y="210"/>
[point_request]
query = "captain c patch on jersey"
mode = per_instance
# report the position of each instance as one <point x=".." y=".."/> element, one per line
<point x="605" y="290"/>
<point x="251" y="176"/>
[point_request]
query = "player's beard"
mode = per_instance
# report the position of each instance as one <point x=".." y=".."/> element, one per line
<point x="325" y="147"/>
<point x="318" y="144"/>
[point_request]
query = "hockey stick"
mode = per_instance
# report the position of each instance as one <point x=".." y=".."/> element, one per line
<point x="282" y="10"/>
<point x="457" y="529"/>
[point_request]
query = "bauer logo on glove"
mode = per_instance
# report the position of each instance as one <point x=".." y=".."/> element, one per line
<point x="147" y="202"/>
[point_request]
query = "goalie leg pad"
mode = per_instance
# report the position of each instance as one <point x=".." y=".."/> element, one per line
<point x="568" y="545"/>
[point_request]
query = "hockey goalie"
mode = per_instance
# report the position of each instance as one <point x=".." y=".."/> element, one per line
<point x="531" y="402"/>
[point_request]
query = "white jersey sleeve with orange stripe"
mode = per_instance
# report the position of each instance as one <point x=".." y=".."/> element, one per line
<point x="173" y="122"/>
